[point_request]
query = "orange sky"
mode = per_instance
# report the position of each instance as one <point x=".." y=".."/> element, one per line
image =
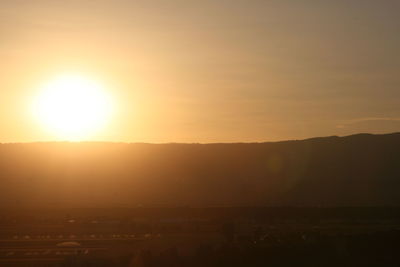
<point x="208" y="71"/>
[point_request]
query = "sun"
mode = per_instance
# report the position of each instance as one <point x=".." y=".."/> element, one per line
<point x="73" y="107"/>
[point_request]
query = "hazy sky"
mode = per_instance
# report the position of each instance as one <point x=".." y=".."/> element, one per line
<point x="210" y="70"/>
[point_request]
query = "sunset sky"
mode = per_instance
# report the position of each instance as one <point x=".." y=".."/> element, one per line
<point x="207" y="71"/>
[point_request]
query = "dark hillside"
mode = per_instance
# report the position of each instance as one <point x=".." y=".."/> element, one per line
<point x="358" y="170"/>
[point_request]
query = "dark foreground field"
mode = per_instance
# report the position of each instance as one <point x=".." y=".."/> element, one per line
<point x="201" y="237"/>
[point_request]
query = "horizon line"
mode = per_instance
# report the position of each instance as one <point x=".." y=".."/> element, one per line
<point x="194" y="143"/>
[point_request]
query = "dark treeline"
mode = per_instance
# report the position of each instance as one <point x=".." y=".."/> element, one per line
<point x="358" y="170"/>
<point x="36" y="215"/>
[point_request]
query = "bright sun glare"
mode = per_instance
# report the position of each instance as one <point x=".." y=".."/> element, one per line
<point x="73" y="107"/>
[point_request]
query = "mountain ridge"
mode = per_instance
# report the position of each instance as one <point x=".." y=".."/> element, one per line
<point x="193" y="143"/>
<point x="355" y="170"/>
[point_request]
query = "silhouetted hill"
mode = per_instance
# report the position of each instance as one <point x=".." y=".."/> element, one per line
<point x="357" y="170"/>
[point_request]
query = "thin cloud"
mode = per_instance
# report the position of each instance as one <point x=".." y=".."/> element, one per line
<point x="368" y="119"/>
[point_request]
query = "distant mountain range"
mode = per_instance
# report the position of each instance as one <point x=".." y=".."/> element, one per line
<point x="357" y="170"/>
